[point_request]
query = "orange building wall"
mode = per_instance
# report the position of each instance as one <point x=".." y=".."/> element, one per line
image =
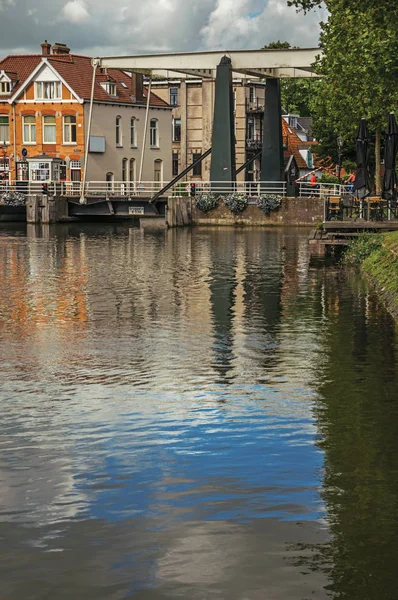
<point x="39" y="110"/>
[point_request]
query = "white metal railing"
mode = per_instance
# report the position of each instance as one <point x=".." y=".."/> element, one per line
<point x="123" y="189"/>
<point x="323" y="189"/>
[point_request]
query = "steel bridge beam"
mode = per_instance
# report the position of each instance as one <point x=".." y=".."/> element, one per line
<point x="223" y="166"/>
<point x="272" y="155"/>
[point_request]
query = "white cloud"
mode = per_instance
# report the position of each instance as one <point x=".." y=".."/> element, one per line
<point x="240" y="24"/>
<point x="107" y="27"/>
<point x="75" y="11"/>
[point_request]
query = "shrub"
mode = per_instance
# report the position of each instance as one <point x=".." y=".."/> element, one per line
<point x="236" y="203"/>
<point x="206" y="202"/>
<point x="269" y="202"/>
<point x="360" y="248"/>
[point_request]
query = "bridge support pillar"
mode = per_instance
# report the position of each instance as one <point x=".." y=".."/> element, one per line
<point x="272" y="156"/>
<point x="46" y="209"/>
<point x="223" y="166"/>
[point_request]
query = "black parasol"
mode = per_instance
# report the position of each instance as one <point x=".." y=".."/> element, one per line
<point x="362" y="179"/>
<point x="390" y="159"/>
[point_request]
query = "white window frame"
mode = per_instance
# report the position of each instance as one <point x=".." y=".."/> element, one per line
<point x="110" y="88"/>
<point x="133" y="133"/>
<point x="69" y="127"/>
<point x="3" y="137"/>
<point x="48" y="90"/>
<point x="154" y="133"/>
<point x="45" y="127"/>
<point x="30" y="128"/>
<point x="5" y="87"/>
<point x="119" y="132"/>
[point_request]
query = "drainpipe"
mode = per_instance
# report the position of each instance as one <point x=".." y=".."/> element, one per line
<point x="95" y="63"/>
<point x="145" y="129"/>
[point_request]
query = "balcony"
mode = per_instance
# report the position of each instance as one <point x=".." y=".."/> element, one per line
<point x="255" y="106"/>
<point x="254" y="142"/>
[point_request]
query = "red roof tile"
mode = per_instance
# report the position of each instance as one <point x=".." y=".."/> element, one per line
<point x="22" y="65"/>
<point x="293" y="143"/>
<point x="77" y="71"/>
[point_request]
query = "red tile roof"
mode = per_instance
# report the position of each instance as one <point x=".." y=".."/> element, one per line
<point x="293" y="143"/>
<point x="22" y="65"/>
<point x="77" y="71"/>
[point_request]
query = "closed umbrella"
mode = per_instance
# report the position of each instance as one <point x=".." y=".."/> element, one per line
<point x="362" y="179"/>
<point x="390" y="159"/>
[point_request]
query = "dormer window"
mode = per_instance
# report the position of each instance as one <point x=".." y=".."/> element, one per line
<point x="5" y="87"/>
<point x="110" y="88"/>
<point x="7" y="82"/>
<point x="48" y="90"/>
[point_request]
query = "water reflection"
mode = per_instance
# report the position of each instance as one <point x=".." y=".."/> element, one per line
<point x="191" y="414"/>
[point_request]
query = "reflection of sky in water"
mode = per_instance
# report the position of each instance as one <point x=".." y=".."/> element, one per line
<point x="207" y="465"/>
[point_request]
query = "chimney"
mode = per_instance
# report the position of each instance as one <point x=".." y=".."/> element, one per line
<point x="45" y="48"/>
<point x="137" y="87"/>
<point x="60" y="49"/>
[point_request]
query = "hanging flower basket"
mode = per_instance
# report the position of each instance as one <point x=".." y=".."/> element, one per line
<point x="13" y="198"/>
<point x="269" y="202"/>
<point x="206" y="202"/>
<point x="236" y="203"/>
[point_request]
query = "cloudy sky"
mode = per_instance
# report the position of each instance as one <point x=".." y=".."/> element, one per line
<point x="103" y="27"/>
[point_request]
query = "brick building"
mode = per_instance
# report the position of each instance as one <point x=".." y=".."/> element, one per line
<point x="44" y="106"/>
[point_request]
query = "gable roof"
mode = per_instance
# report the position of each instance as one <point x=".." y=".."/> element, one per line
<point x="294" y="143"/>
<point x="77" y="72"/>
<point x="22" y="65"/>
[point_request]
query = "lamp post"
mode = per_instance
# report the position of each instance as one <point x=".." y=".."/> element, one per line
<point x="340" y="144"/>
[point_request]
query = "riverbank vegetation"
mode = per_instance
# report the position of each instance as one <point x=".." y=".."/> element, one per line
<point x="377" y="258"/>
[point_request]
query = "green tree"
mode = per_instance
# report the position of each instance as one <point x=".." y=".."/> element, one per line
<point x="359" y="65"/>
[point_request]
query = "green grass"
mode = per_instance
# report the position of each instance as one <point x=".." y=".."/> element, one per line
<point x="377" y="258"/>
<point x="381" y="265"/>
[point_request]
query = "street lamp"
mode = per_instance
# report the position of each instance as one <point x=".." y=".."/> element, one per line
<point x="340" y="144"/>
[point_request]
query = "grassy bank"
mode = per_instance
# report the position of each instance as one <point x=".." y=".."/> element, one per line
<point x="377" y="257"/>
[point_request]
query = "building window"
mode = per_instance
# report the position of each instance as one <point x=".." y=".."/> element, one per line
<point x="133" y="134"/>
<point x="293" y="122"/>
<point x="110" y="88"/>
<point x="154" y="133"/>
<point x="251" y="94"/>
<point x="132" y="169"/>
<point x="124" y="169"/>
<point x="5" y="87"/>
<point x="176" y="130"/>
<point x="174" y="164"/>
<point x="250" y="129"/>
<point x="40" y="171"/>
<point x="4" y="129"/>
<point x="48" y="90"/>
<point x="119" y="138"/>
<point x="109" y="182"/>
<point x="69" y="130"/>
<point x="173" y="96"/>
<point x="197" y="170"/>
<point x="29" y="129"/>
<point x="49" y="130"/>
<point x="157" y="173"/>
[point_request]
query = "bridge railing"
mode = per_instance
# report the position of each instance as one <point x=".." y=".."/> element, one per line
<point x="323" y="189"/>
<point x="127" y="189"/>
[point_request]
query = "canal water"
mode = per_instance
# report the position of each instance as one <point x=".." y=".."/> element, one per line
<point x="193" y="414"/>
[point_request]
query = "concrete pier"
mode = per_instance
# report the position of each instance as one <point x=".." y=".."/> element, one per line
<point x="46" y="209"/>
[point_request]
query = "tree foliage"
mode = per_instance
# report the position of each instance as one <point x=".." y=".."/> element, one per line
<point x="359" y="65"/>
